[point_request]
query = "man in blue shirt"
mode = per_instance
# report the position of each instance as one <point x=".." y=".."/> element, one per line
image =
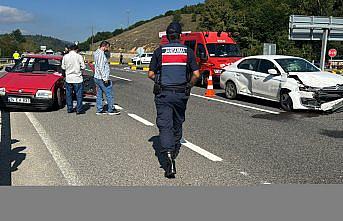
<point x="102" y="80"/>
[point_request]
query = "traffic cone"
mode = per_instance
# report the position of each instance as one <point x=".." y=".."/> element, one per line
<point x="210" y="90"/>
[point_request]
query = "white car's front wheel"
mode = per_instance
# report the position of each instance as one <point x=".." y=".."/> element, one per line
<point x="230" y="90"/>
<point x="286" y="102"/>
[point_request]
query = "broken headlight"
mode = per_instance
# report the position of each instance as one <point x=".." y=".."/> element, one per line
<point x="308" y="88"/>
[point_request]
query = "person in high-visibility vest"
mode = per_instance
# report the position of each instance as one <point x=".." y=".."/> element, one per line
<point x="16" y="57"/>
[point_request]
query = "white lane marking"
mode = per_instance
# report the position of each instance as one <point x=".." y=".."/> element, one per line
<point x="105" y="102"/>
<point x="118" y="107"/>
<point x="68" y="172"/>
<point x="266" y="183"/>
<point x="201" y="151"/>
<point x="244" y="173"/>
<point x="124" y="79"/>
<point x="138" y="118"/>
<point x="236" y="104"/>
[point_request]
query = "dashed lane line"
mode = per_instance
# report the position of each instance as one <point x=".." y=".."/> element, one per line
<point x="120" y="78"/>
<point x="142" y="120"/>
<point x="201" y="151"/>
<point x="118" y="107"/>
<point x="67" y="170"/>
<point x="236" y="104"/>
<point x="184" y="142"/>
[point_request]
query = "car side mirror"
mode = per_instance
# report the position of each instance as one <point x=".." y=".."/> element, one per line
<point x="273" y="72"/>
<point x="8" y="69"/>
<point x="203" y="56"/>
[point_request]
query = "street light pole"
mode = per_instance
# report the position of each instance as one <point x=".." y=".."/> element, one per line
<point x="324" y="47"/>
<point x="128" y="18"/>
<point x="92" y="37"/>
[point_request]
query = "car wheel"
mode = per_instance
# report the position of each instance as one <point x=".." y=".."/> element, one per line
<point x="286" y="102"/>
<point x="230" y="90"/>
<point x="58" y="102"/>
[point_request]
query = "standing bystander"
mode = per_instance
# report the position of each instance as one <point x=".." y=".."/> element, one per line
<point x="73" y="63"/>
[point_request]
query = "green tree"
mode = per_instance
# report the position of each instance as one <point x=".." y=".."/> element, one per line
<point x="177" y="17"/>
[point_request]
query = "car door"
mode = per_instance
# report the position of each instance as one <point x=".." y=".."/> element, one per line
<point x="264" y="84"/>
<point x="244" y="74"/>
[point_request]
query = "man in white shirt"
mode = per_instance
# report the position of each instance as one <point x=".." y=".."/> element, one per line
<point x="73" y="63"/>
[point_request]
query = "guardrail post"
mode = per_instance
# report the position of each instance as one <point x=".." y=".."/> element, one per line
<point x="5" y="150"/>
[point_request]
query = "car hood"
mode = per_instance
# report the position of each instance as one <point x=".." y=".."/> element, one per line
<point x="318" y="79"/>
<point x="223" y="63"/>
<point x="28" y="81"/>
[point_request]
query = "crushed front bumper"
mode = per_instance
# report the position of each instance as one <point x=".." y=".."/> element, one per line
<point x="332" y="106"/>
<point x="330" y="98"/>
<point x="325" y="99"/>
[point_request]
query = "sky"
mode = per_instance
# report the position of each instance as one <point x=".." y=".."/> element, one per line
<point x="72" y="20"/>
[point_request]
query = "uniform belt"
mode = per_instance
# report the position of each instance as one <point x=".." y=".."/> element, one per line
<point x="175" y="90"/>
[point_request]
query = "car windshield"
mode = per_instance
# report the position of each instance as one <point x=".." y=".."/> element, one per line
<point x="296" y="65"/>
<point x="37" y="65"/>
<point x="223" y="50"/>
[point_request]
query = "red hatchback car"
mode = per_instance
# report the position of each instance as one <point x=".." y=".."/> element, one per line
<point x="37" y="82"/>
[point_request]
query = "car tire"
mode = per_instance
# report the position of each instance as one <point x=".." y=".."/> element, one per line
<point x="58" y="99"/>
<point x="286" y="102"/>
<point x="230" y="90"/>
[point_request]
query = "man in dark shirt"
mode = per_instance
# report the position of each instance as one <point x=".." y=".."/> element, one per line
<point x="174" y="70"/>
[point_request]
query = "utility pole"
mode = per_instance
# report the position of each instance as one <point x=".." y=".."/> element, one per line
<point x="128" y="18"/>
<point x="92" y="37"/>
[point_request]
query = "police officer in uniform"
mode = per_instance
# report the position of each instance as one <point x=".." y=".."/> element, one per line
<point x="174" y="70"/>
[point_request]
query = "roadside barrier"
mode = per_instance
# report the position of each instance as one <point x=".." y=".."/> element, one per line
<point x="210" y="92"/>
<point x="134" y="68"/>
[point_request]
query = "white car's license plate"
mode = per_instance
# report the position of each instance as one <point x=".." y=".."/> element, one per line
<point x="22" y="100"/>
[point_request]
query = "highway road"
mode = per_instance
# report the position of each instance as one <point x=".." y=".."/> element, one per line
<point x="246" y="142"/>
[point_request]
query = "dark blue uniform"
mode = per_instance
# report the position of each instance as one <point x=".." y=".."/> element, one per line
<point x="173" y="64"/>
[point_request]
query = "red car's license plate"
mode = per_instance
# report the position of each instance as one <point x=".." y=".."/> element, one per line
<point x="19" y="100"/>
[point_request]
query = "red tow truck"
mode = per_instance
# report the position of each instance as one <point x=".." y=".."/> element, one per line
<point x="213" y="51"/>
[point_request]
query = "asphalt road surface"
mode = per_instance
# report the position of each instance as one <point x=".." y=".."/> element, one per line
<point x="245" y="142"/>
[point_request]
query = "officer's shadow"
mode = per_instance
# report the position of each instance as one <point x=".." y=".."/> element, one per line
<point x="162" y="158"/>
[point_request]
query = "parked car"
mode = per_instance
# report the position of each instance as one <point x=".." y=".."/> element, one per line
<point x="292" y="81"/>
<point x="136" y="59"/>
<point x="142" y="59"/>
<point x="146" y="58"/>
<point x="37" y="82"/>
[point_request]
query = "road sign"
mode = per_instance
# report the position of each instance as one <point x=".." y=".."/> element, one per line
<point x="43" y="48"/>
<point x="269" y="49"/>
<point x="312" y="28"/>
<point x="316" y="28"/>
<point x="332" y="53"/>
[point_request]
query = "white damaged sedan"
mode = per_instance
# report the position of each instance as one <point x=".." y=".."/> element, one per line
<point x="292" y="81"/>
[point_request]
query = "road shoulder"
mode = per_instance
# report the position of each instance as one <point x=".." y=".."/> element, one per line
<point x="38" y="167"/>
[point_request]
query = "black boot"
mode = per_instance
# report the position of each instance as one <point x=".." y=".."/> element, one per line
<point x="171" y="169"/>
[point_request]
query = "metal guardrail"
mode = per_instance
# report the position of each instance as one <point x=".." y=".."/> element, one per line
<point x="6" y="60"/>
